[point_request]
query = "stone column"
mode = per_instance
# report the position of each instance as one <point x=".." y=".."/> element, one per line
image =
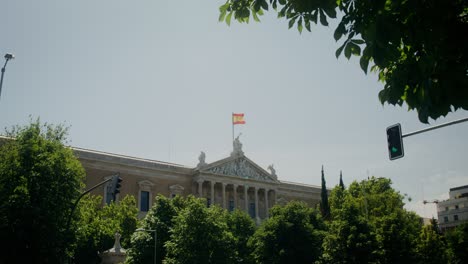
<point x="235" y="196"/>
<point x="212" y="192"/>
<point x="256" y="202"/>
<point x="246" y="199"/>
<point x="224" y="195"/>
<point x="266" y="203"/>
<point x="200" y="188"/>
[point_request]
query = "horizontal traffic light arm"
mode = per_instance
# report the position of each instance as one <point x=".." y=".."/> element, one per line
<point x="435" y="127"/>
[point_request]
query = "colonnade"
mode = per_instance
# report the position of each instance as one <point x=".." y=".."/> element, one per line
<point x="238" y="193"/>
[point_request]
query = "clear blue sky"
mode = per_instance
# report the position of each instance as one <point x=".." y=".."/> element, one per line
<point x="160" y="79"/>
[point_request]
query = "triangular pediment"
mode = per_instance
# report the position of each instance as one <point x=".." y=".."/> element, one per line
<point x="240" y="166"/>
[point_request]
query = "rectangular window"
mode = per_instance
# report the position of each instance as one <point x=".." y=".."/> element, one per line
<point x="455" y="218"/>
<point x="456" y="207"/>
<point x="252" y="210"/>
<point x="445" y="219"/>
<point x="231" y="205"/>
<point x="144" y="201"/>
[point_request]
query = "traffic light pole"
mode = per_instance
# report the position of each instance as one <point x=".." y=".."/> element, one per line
<point x="435" y="127"/>
<point x="79" y="198"/>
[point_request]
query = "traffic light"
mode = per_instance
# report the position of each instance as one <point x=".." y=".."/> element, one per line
<point x="395" y="142"/>
<point x="115" y="185"/>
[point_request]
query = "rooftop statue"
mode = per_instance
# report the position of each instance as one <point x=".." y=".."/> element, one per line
<point x="272" y="171"/>
<point x="237" y="147"/>
<point x="201" y="160"/>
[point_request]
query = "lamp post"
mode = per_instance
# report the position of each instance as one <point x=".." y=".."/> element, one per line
<point x="8" y="57"/>
<point x="155" y="239"/>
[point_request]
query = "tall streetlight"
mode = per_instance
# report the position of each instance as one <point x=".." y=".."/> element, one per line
<point x="8" y="57"/>
<point x="155" y="239"/>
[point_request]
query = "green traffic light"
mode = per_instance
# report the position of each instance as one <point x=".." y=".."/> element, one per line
<point x="394" y="150"/>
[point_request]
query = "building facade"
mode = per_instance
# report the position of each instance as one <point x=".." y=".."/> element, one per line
<point x="454" y="211"/>
<point x="232" y="182"/>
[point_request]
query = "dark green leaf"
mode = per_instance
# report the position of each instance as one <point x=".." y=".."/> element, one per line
<point x="364" y="62"/>
<point x="282" y="12"/>
<point x="339" y="50"/>
<point x="282" y="2"/>
<point x="299" y="25"/>
<point x="313" y="17"/>
<point x="307" y="24"/>
<point x="292" y="21"/>
<point x="256" y="6"/>
<point x="323" y="18"/>
<point x="347" y="50"/>
<point x="355" y="49"/>
<point x="339" y="31"/>
<point x="358" y="41"/>
<point x="331" y="11"/>
<point x="264" y="4"/>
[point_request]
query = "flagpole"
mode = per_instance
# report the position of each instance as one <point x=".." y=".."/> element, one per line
<point x="232" y="121"/>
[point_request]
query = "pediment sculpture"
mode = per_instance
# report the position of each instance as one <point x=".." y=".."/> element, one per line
<point x="241" y="167"/>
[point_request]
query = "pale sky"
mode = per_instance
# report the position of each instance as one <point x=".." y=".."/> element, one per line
<point x="159" y="80"/>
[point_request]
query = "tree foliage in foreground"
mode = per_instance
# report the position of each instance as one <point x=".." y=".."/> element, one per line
<point x="40" y="179"/>
<point x="418" y="48"/>
<point x="189" y="232"/>
<point x="350" y="237"/>
<point x="200" y="235"/>
<point x="431" y="247"/>
<point x="457" y="239"/>
<point x="292" y="234"/>
<point x="396" y="230"/>
<point x="97" y="225"/>
<point x="160" y="218"/>
<point x="242" y="227"/>
<point x="370" y="225"/>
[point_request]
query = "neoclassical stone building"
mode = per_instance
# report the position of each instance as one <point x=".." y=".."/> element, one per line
<point x="232" y="182"/>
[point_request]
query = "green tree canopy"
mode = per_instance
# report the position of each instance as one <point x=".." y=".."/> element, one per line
<point x="418" y="48"/>
<point x="458" y="243"/>
<point x="431" y="247"/>
<point x="160" y="218"/>
<point x="292" y="234"/>
<point x="97" y="225"/>
<point x="40" y="179"/>
<point x="200" y="235"/>
<point x="242" y="227"/>
<point x="396" y="230"/>
<point x="350" y="237"/>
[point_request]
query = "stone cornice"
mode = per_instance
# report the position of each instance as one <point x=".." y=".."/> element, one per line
<point x="292" y="187"/>
<point x="103" y="158"/>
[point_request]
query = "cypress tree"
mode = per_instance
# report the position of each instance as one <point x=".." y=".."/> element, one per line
<point x="341" y="181"/>
<point x="324" y="206"/>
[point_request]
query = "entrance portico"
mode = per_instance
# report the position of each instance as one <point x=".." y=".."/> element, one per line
<point x="237" y="182"/>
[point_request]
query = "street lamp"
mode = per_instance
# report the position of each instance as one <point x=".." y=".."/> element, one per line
<point x="155" y="239"/>
<point x="8" y="57"/>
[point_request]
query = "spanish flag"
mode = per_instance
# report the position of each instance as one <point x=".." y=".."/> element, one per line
<point x="238" y="119"/>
